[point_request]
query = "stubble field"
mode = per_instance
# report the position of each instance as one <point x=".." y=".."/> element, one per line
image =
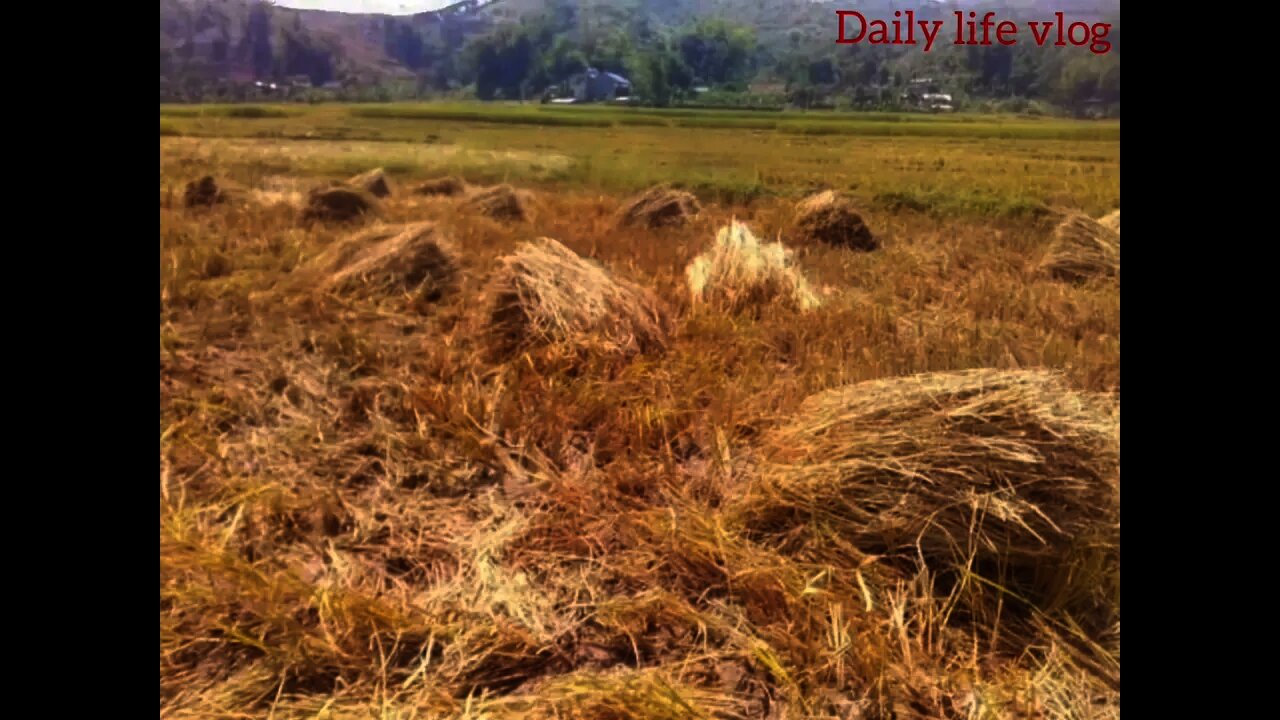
<point x="365" y="511"/>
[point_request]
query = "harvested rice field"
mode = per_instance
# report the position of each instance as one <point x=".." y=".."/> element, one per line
<point x="463" y="419"/>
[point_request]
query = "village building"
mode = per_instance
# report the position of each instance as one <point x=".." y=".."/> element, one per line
<point x="923" y="94"/>
<point x="939" y="102"/>
<point x="595" y="85"/>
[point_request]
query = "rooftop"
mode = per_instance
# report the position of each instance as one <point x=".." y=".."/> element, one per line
<point x="592" y="72"/>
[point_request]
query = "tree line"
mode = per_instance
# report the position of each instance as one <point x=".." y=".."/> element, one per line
<point x="717" y="60"/>
<point x="803" y="67"/>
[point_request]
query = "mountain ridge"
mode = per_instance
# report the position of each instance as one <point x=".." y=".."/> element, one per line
<point x="218" y="47"/>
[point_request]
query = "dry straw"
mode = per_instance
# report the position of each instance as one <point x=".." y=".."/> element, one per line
<point x="832" y="218"/>
<point x="208" y="191"/>
<point x="620" y="694"/>
<point x="659" y="206"/>
<point x="450" y="186"/>
<point x="501" y="202"/>
<point x="545" y="293"/>
<point x="375" y="182"/>
<point x="339" y="204"/>
<point x="1008" y="476"/>
<point x="739" y="272"/>
<point x="1083" y="248"/>
<point x="413" y="258"/>
<point x="1111" y="221"/>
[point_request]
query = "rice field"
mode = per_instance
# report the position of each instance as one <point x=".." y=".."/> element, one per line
<point x="978" y="166"/>
<point x="446" y="461"/>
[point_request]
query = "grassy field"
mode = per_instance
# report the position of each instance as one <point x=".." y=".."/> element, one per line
<point x="792" y="122"/>
<point x="362" y="514"/>
<point x="970" y="165"/>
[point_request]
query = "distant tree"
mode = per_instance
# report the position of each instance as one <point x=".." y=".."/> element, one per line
<point x="488" y="72"/>
<point x="716" y="50"/>
<point x="822" y="72"/>
<point x="504" y="62"/>
<point x="1109" y="81"/>
<point x="665" y="46"/>
<point x="565" y="59"/>
<point x="1026" y="75"/>
<point x="302" y="57"/>
<point x="802" y="95"/>
<point x="610" y="51"/>
<point x="258" y="34"/>
<point x="653" y="81"/>
<point x="990" y="68"/>
<point x="658" y="75"/>
<point x="557" y="64"/>
<point x="402" y="42"/>
<point x="1087" y="78"/>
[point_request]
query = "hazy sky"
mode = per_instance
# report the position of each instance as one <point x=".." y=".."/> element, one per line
<point x="396" y="7"/>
